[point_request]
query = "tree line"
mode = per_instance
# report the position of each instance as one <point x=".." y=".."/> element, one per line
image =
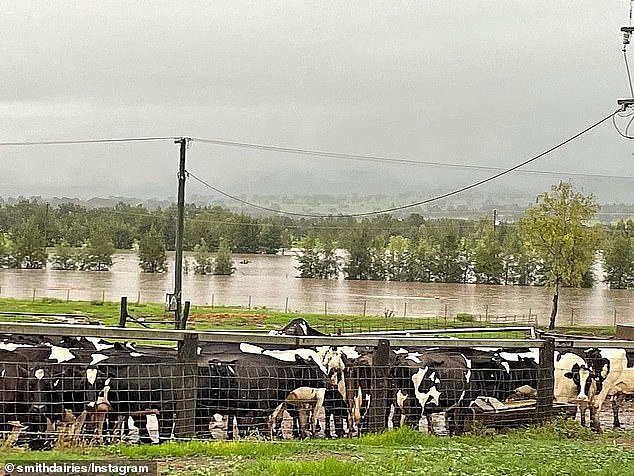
<point x="555" y="243"/>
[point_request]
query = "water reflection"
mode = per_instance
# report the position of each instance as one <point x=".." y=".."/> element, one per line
<point x="270" y="281"/>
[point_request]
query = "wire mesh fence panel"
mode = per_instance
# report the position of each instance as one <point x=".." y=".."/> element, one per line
<point x="60" y="392"/>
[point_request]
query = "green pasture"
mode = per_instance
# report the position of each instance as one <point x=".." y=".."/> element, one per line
<point x="242" y="318"/>
<point x="558" y="448"/>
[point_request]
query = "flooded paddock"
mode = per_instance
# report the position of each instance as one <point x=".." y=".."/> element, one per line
<point x="270" y="281"/>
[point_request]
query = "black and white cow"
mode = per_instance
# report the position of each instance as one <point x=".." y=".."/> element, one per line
<point x="497" y="373"/>
<point x="249" y="382"/>
<point x="297" y="327"/>
<point x="593" y="376"/>
<point x="574" y="381"/>
<point x="428" y="382"/>
<point x="67" y="376"/>
<point x="613" y="370"/>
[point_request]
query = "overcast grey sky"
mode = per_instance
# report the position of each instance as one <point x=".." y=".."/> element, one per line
<point x="488" y="83"/>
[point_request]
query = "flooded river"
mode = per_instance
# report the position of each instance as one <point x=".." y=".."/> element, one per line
<point x="270" y="281"/>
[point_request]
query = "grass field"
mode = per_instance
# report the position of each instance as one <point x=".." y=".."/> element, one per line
<point x="559" y="448"/>
<point x="240" y="318"/>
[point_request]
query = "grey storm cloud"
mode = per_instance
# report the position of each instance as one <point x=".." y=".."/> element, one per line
<point x="487" y="83"/>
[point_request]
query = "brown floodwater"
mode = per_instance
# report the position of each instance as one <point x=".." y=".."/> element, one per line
<point x="270" y="281"/>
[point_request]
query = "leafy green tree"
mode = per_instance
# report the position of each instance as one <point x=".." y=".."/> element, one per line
<point x="446" y="266"/>
<point x="270" y="238"/>
<point x="378" y="259"/>
<point x="419" y="261"/>
<point x="152" y="253"/>
<point x="246" y="233"/>
<point x="398" y="258"/>
<point x="329" y="266"/>
<point x="520" y="266"/>
<point x="359" y="262"/>
<point x="618" y="256"/>
<point x="30" y="251"/>
<point x="309" y="258"/>
<point x="96" y="255"/>
<point x="487" y="256"/>
<point x="223" y="264"/>
<point x="202" y="257"/>
<point x="6" y="251"/>
<point x="556" y="231"/>
<point x="64" y="256"/>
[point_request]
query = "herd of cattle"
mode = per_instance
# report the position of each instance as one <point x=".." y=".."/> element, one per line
<point x="116" y="391"/>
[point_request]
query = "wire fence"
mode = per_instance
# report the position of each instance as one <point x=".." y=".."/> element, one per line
<point x="71" y="391"/>
<point x="420" y="315"/>
<point x="447" y="310"/>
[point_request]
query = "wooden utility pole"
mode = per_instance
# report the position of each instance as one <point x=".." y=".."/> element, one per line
<point x="180" y="226"/>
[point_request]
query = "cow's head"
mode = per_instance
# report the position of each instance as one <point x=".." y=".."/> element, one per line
<point x="333" y="361"/>
<point x="39" y="390"/>
<point x="587" y="382"/>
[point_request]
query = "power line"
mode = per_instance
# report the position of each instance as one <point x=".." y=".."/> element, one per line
<point x="85" y="141"/>
<point x="316" y="153"/>
<point x="385" y="159"/>
<point x="401" y="207"/>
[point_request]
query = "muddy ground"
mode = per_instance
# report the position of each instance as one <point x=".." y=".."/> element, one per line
<point x="626" y="416"/>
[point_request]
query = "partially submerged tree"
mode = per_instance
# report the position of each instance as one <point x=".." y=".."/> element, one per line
<point x="202" y="256"/>
<point x="223" y="264"/>
<point x="29" y="250"/>
<point x="618" y="256"/>
<point x="556" y="230"/>
<point x="488" y="263"/>
<point x="318" y="260"/>
<point x="64" y="256"/>
<point x="152" y="254"/>
<point x="96" y="255"/>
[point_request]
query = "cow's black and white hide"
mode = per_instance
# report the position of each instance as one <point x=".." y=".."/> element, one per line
<point x="143" y="387"/>
<point x="574" y="381"/>
<point x="613" y="371"/>
<point x="356" y="383"/>
<point x="114" y="382"/>
<point x="29" y="395"/>
<point x="306" y="402"/>
<point x="497" y="373"/>
<point x="428" y="382"/>
<point x="249" y="387"/>
<point x="298" y="327"/>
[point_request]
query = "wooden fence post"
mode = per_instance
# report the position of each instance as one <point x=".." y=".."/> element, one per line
<point x="380" y="387"/>
<point x="545" y="380"/>
<point x="185" y="315"/>
<point x="186" y="383"/>
<point x="123" y="311"/>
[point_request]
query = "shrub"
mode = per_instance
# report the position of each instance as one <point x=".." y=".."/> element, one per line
<point x="465" y="317"/>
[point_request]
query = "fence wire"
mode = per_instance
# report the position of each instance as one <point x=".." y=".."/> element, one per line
<point x="82" y="392"/>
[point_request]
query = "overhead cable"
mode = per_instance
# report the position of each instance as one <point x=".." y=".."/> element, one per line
<point x="385" y="159"/>
<point x="85" y="141"/>
<point x="409" y="205"/>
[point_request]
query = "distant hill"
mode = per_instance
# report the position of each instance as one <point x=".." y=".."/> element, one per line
<point x="508" y="207"/>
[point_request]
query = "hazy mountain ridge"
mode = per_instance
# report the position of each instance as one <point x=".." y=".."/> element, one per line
<point x="469" y="205"/>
